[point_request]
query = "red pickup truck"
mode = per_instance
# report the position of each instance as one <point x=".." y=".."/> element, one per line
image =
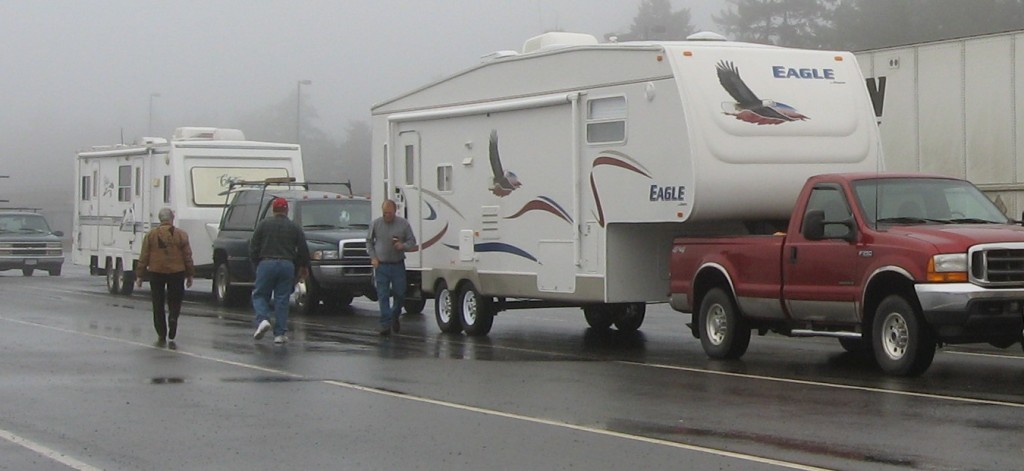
<point x="894" y="264"/>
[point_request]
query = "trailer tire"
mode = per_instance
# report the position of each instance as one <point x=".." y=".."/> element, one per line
<point x="903" y="344"/>
<point x="477" y="312"/>
<point x="113" y="281"/>
<point x="630" y="316"/>
<point x="724" y="333"/>
<point x="340" y="299"/>
<point x="446" y="311"/>
<point x="598" y="316"/>
<point x="126" y="279"/>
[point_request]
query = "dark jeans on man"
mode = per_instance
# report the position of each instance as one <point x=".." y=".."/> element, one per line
<point x="169" y="288"/>
<point x="390" y="280"/>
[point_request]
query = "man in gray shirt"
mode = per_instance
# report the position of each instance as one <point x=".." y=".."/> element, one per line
<point x="387" y="241"/>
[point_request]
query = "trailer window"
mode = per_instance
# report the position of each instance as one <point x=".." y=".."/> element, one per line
<point x="124" y="183"/>
<point x="410" y="156"/>
<point x="167" y="188"/>
<point x="606" y="120"/>
<point x="86" y="187"/>
<point x="444" y="177"/>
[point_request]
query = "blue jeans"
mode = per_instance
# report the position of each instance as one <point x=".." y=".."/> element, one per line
<point x="390" y="279"/>
<point x="275" y="278"/>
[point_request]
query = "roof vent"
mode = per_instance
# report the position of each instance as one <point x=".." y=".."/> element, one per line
<point x="497" y="55"/>
<point x="220" y="134"/>
<point x="706" y="36"/>
<point x="556" y="40"/>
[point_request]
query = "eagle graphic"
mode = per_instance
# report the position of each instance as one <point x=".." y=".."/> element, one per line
<point x="748" y="107"/>
<point x="505" y="181"/>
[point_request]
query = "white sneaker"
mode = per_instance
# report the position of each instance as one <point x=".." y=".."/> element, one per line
<point x="262" y="330"/>
<point x="280" y="339"/>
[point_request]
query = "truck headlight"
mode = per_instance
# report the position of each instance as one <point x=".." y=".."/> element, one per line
<point x="324" y="255"/>
<point x="948" y="268"/>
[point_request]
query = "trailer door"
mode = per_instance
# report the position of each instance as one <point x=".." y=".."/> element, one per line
<point x="407" y="186"/>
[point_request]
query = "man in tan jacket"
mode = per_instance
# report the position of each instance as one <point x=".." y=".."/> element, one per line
<point x="167" y="258"/>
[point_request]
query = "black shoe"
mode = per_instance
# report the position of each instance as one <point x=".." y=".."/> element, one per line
<point x="172" y="330"/>
<point x="385" y="332"/>
<point x="396" y="326"/>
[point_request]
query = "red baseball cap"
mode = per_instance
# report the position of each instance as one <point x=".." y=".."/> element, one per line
<point x="280" y="203"/>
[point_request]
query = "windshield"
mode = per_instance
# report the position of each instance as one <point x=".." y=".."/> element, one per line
<point x="23" y="223"/>
<point x="925" y="200"/>
<point x="334" y="214"/>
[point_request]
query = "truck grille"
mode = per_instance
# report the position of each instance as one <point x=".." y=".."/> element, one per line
<point x="353" y="252"/>
<point x="37" y="249"/>
<point x="997" y="265"/>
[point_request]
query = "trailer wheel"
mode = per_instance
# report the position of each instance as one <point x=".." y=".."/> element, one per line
<point x="724" y="334"/>
<point x="126" y="278"/>
<point x="903" y="344"/>
<point x="224" y="294"/>
<point x="307" y="296"/>
<point x="477" y="311"/>
<point x="599" y="316"/>
<point x="113" y="281"/>
<point x="414" y="306"/>
<point x="629" y="317"/>
<point x="445" y="311"/>
<point x="27" y="271"/>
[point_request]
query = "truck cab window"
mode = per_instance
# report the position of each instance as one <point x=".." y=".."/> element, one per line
<point x="833" y="203"/>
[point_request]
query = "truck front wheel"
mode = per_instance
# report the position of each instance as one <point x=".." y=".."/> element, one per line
<point x="902" y="343"/>
<point x="723" y="332"/>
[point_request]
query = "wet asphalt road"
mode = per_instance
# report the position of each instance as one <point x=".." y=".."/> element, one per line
<point x="83" y="385"/>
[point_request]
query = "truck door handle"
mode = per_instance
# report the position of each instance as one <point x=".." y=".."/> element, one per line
<point x="792" y="255"/>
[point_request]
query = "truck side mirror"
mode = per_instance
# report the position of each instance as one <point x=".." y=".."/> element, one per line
<point x="814" y="225"/>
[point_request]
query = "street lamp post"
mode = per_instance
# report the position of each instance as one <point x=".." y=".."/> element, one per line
<point x="149" y="131"/>
<point x="298" y="109"/>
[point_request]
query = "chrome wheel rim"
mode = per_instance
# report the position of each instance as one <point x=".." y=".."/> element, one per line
<point x="717" y="324"/>
<point x="895" y="336"/>
<point x="469" y="308"/>
<point x="444" y="306"/>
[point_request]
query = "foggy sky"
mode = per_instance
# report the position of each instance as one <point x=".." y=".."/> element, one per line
<point x="79" y="73"/>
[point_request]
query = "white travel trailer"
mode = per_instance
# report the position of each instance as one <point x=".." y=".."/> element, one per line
<point x="559" y="176"/>
<point x="120" y="189"/>
<point x="955" y="107"/>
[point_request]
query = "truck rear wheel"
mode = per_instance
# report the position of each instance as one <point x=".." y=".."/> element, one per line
<point x="903" y="344"/>
<point x="477" y="312"/>
<point x="225" y="294"/>
<point x="445" y="311"/>
<point x="724" y="334"/>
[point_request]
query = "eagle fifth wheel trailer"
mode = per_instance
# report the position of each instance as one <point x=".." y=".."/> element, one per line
<point x="559" y="176"/>
<point x="120" y="189"/>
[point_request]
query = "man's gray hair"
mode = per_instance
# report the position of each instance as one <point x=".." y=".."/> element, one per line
<point x="165" y="215"/>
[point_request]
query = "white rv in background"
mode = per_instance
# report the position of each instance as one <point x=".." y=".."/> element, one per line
<point x="954" y="107"/>
<point x="120" y="189"/>
<point x="559" y="176"/>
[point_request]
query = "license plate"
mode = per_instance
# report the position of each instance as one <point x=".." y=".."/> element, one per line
<point x="30" y="262"/>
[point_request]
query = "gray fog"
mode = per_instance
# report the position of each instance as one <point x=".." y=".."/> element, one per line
<point x="100" y="72"/>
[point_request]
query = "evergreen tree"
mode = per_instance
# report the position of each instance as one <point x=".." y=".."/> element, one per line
<point x="792" y="23"/>
<point x="655" y="20"/>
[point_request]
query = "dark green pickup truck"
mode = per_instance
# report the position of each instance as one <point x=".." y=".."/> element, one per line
<point x="335" y="226"/>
